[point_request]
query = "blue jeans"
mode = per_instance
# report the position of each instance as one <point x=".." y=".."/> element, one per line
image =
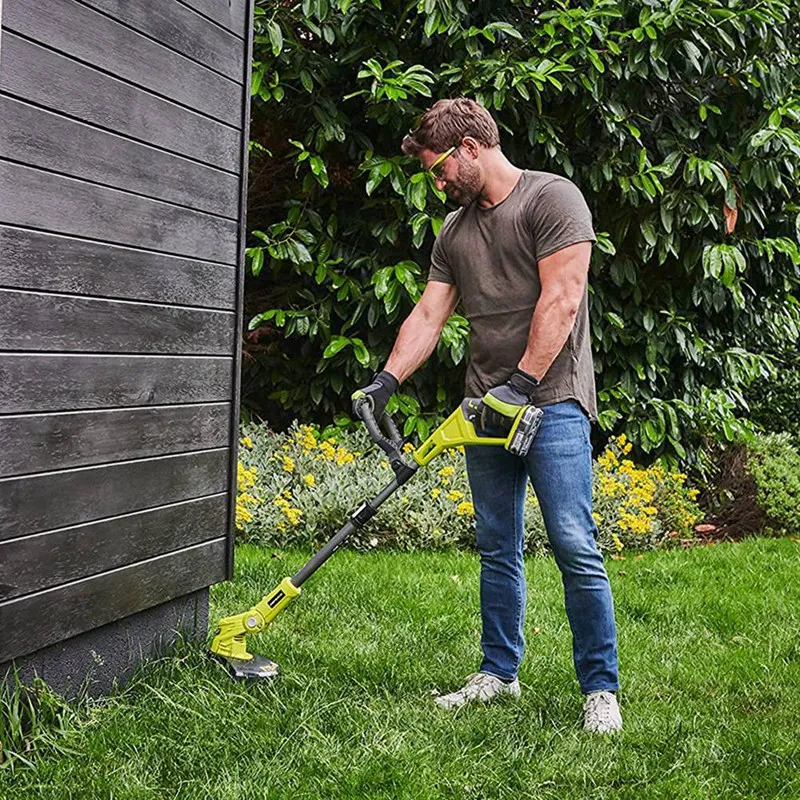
<point x="559" y="466"/>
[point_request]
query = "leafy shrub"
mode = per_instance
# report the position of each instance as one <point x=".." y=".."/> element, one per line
<point x="774" y="402"/>
<point x="678" y="120"/>
<point x="298" y="488"/>
<point x="775" y="465"/>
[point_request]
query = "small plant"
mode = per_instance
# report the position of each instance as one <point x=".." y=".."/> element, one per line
<point x="31" y="717"/>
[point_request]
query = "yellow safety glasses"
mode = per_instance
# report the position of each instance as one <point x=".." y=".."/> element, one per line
<point x="435" y="169"/>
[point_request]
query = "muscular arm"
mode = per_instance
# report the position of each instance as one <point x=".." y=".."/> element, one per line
<point x="563" y="277"/>
<point x="420" y="332"/>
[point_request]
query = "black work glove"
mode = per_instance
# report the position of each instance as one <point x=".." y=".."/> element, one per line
<point x="502" y="403"/>
<point x="383" y="386"/>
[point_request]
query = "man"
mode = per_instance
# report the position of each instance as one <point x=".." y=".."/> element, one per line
<point x="517" y="253"/>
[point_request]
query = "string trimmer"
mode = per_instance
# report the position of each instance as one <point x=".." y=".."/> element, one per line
<point x="230" y="641"/>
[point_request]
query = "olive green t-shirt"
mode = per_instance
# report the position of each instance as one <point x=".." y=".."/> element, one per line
<point x="492" y="255"/>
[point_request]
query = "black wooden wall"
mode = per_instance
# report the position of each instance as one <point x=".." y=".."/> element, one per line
<point x="123" y="130"/>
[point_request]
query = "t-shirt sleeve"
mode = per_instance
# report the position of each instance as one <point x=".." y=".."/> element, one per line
<point x="559" y="217"/>
<point x="440" y="268"/>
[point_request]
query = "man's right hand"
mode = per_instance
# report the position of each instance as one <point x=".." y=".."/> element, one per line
<point x="383" y="386"/>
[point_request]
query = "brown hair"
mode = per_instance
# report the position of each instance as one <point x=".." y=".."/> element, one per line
<point x="447" y="122"/>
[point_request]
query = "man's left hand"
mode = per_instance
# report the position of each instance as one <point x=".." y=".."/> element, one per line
<point x="502" y="403"/>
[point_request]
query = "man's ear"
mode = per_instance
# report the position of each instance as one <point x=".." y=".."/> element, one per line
<point x="470" y="147"/>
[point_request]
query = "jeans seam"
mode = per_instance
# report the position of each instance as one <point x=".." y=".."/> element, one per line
<point x="517" y="533"/>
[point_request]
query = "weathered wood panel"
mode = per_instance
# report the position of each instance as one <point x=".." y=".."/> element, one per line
<point x="42" y="560"/>
<point x="37" y="260"/>
<point x="62" y="322"/>
<point x="232" y="14"/>
<point x="30" y="382"/>
<point x="64" y="24"/>
<point x="57" y="499"/>
<point x="181" y="29"/>
<point x="123" y="160"/>
<point x="49" y="79"/>
<point x="33" y="443"/>
<point x="43" y="139"/>
<point x="37" y="199"/>
<point x="68" y="610"/>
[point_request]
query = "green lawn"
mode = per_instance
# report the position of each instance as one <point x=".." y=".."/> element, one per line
<point x="710" y="658"/>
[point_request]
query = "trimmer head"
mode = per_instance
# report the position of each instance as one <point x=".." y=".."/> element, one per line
<point x="256" y="669"/>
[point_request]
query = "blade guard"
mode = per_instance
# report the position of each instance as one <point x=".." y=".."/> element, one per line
<point x="231" y="638"/>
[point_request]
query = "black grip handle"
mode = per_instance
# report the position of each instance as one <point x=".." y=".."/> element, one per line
<point x="390" y="443"/>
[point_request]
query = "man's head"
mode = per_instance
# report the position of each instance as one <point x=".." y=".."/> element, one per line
<point x="453" y="139"/>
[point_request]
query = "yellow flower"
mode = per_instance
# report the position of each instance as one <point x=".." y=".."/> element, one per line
<point x="328" y="450"/>
<point x="304" y="436"/>
<point x="408" y="447"/>
<point x="447" y="472"/>
<point x="384" y="464"/>
<point x="617" y="542"/>
<point x="245" y="478"/>
<point x="242" y="515"/>
<point x="435" y="493"/>
<point x="344" y="456"/>
<point x="308" y="480"/>
<point x="246" y="442"/>
<point x="293" y="515"/>
<point x="288" y="464"/>
<point x="465" y="509"/>
<point x="454" y="495"/>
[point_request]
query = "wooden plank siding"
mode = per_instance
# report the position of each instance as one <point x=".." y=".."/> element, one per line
<point x="39" y="138"/>
<point x="123" y="149"/>
<point x="62" y="25"/>
<point x="50" y="262"/>
<point x="31" y="382"/>
<point x="36" y="503"/>
<point x="113" y="543"/>
<point x="38" y="75"/>
<point x="182" y="30"/>
<point x="44" y="200"/>
<point x="31" y="443"/>
<point x="37" y="321"/>
<point x="230" y="14"/>
<point x="32" y="622"/>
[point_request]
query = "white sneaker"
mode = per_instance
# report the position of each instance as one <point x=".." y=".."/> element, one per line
<point x="480" y="687"/>
<point x="601" y="713"/>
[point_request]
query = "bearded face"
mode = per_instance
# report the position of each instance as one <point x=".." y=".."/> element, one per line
<point x="467" y="184"/>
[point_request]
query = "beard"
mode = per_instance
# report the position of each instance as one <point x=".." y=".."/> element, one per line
<point x="468" y="184"/>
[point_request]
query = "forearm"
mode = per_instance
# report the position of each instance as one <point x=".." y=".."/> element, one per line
<point x="552" y="322"/>
<point x="415" y="343"/>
